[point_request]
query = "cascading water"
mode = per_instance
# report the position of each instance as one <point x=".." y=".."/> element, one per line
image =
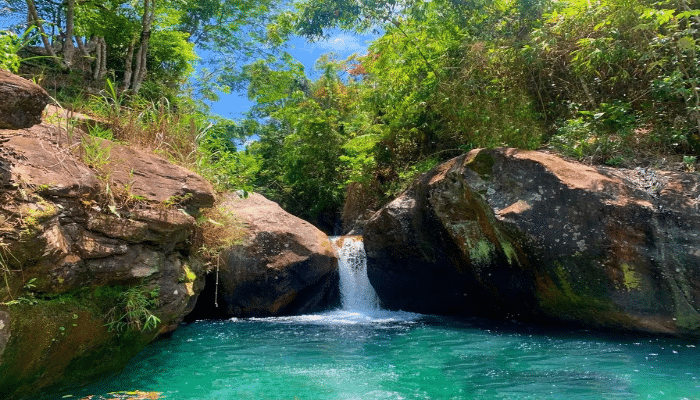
<point x="357" y="294"/>
<point x="359" y="302"/>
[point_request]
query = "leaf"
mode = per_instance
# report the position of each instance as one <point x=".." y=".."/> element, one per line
<point x="686" y="43"/>
<point x="688" y="14"/>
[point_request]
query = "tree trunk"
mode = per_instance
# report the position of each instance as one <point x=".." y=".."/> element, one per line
<point x="33" y="18"/>
<point x="103" y="62"/>
<point x="100" y="58"/>
<point x="142" y="55"/>
<point x="128" y="63"/>
<point x="137" y="68"/>
<point x="68" y="49"/>
<point x="81" y="46"/>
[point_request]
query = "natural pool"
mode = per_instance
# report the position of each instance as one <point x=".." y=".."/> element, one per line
<point x="363" y="352"/>
<point x="345" y="355"/>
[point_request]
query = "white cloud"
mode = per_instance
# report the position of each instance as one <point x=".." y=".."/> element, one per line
<point x="342" y="44"/>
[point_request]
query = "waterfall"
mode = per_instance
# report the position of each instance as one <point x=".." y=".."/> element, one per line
<point x="357" y="294"/>
<point x="359" y="302"/>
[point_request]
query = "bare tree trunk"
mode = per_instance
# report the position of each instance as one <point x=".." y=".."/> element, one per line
<point x="100" y="58"/>
<point x="33" y="19"/>
<point x="103" y="61"/>
<point x="142" y="55"/>
<point x="68" y="49"/>
<point x="137" y="68"/>
<point x="128" y="63"/>
<point x="81" y="46"/>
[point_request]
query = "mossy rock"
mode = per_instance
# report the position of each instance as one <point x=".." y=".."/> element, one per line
<point x="62" y="341"/>
<point x="482" y="163"/>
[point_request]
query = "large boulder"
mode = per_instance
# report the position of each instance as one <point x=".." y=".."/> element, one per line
<point x="21" y="102"/>
<point x="283" y="265"/>
<point x="95" y="262"/>
<point x="529" y="235"/>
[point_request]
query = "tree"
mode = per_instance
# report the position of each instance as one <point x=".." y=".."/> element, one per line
<point x="139" y="73"/>
<point x="117" y="35"/>
<point x="34" y="21"/>
<point x="303" y="126"/>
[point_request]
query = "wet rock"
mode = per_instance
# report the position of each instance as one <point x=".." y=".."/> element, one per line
<point x="544" y="239"/>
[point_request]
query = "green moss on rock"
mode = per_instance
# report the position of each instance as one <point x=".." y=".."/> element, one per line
<point x="64" y="339"/>
<point x="482" y="163"/>
<point x="563" y="298"/>
<point x="481" y="252"/>
<point x="631" y="279"/>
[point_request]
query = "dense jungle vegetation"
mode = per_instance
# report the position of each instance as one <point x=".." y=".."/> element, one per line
<point x="603" y="81"/>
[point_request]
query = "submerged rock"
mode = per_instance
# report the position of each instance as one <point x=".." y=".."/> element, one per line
<point x="529" y="235"/>
<point x="94" y="262"/>
<point x="283" y="265"/>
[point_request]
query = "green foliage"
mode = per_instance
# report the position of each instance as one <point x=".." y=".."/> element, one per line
<point x="220" y="162"/>
<point x="10" y="45"/>
<point x="173" y="62"/>
<point x="218" y="231"/>
<point x="689" y="163"/>
<point x="623" y="71"/>
<point x="135" y="310"/>
<point x="303" y="127"/>
<point x="95" y="151"/>
<point x="430" y="88"/>
<point x="100" y="132"/>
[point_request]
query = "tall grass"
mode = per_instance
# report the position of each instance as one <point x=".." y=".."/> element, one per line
<point x="169" y="130"/>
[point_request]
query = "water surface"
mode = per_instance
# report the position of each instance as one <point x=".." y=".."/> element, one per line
<point x="348" y="355"/>
<point x="363" y="352"/>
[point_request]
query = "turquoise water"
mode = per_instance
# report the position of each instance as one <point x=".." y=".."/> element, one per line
<point x="384" y="355"/>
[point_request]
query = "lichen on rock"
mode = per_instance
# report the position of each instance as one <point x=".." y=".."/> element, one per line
<point x="529" y="234"/>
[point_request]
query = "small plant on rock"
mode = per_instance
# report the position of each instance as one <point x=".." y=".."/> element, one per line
<point x="218" y="230"/>
<point x="134" y="310"/>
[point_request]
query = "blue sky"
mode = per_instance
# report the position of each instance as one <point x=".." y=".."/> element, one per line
<point x="234" y="105"/>
<point x="341" y="44"/>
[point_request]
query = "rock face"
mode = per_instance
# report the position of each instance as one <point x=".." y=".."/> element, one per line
<point x="79" y="246"/>
<point x="21" y="102"/>
<point x="528" y="235"/>
<point x="282" y="266"/>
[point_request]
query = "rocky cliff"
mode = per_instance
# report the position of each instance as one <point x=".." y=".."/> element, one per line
<point x="95" y="262"/>
<point x="98" y="243"/>
<point x="528" y="235"/>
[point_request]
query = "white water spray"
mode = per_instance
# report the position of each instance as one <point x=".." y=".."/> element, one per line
<point x="360" y="304"/>
<point x="357" y="294"/>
